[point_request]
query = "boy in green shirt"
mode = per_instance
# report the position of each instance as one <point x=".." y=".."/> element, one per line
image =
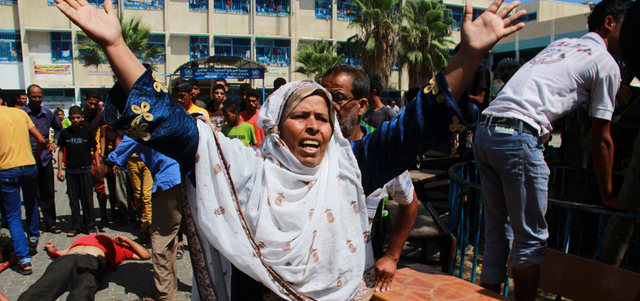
<point x="234" y="127"/>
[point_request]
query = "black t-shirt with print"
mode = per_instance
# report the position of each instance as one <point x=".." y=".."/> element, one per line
<point x="78" y="145"/>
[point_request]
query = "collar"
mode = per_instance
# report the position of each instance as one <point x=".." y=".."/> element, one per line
<point x="596" y="38"/>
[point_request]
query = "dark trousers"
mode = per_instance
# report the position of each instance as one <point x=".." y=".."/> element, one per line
<point x="80" y="273"/>
<point x="117" y="199"/>
<point x="46" y="194"/>
<point x="80" y="191"/>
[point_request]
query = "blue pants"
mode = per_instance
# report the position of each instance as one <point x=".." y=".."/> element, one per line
<point x="11" y="180"/>
<point x="514" y="178"/>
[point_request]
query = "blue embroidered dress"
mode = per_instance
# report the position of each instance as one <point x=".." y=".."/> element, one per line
<point x="150" y="117"/>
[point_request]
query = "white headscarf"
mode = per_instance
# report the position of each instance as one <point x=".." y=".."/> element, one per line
<point x="306" y="232"/>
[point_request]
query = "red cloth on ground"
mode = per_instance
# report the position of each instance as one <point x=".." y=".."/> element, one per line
<point x="253" y="120"/>
<point x="115" y="253"/>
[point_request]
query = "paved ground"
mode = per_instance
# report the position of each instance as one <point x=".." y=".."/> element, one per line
<point x="131" y="281"/>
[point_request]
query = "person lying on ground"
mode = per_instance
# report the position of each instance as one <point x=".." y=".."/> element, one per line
<point x="80" y="268"/>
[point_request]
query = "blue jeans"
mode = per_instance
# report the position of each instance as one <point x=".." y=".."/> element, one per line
<point x="11" y="180"/>
<point x="514" y="178"/>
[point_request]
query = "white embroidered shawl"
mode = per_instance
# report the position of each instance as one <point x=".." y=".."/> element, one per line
<point x="306" y="233"/>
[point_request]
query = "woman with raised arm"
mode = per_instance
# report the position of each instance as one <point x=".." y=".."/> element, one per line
<point x="290" y="215"/>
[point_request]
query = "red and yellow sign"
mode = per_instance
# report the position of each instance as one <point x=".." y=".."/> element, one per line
<point x="53" y="69"/>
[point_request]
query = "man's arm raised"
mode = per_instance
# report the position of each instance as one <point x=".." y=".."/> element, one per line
<point x="103" y="27"/>
<point x="477" y="38"/>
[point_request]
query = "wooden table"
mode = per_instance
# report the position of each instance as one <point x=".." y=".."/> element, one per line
<point x="422" y="282"/>
<point x="418" y="176"/>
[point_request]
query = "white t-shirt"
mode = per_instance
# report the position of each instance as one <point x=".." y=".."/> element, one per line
<point x="560" y="78"/>
<point x="400" y="189"/>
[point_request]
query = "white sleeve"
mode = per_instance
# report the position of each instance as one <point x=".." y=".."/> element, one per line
<point x="401" y="189"/>
<point x="604" y="89"/>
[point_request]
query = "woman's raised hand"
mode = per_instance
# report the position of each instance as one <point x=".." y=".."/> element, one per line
<point x="100" y="25"/>
<point x="481" y="34"/>
<point x="103" y="26"/>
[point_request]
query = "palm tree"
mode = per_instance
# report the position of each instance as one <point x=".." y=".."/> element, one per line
<point x="316" y="58"/>
<point x="135" y="35"/>
<point x="424" y="39"/>
<point x="376" y="42"/>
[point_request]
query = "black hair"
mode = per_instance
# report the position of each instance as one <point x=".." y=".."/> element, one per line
<point x="278" y="82"/>
<point x="22" y="93"/>
<point x="614" y="8"/>
<point x="231" y="107"/>
<point x="219" y="87"/>
<point x="2" y="96"/>
<point x="360" y="86"/>
<point x="375" y="83"/>
<point x="193" y="82"/>
<point x="221" y="79"/>
<point x="91" y="94"/>
<point x="181" y="85"/>
<point x="253" y="93"/>
<point x="75" y="110"/>
<point x="244" y="88"/>
<point x="58" y="110"/>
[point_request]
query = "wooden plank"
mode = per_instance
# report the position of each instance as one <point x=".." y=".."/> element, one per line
<point x="419" y="176"/>
<point x="579" y="278"/>
<point x="421" y="282"/>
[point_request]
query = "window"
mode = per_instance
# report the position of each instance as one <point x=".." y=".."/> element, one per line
<point x="8" y="1"/>
<point x="477" y="12"/>
<point x="61" y="50"/>
<point x="147" y="4"/>
<point x="528" y="17"/>
<point x="456" y="13"/>
<point x="94" y="2"/>
<point x="199" y="47"/>
<point x="273" y="52"/>
<point x="233" y="6"/>
<point x="345" y="49"/>
<point x="157" y="40"/>
<point x="272" y="7"/>
<point x="199" y="5"/>
<point x="10" y="46"/>
<point x="344" y="8"/>
<point x="323" y="9"/>
<point x="232" y="47"/>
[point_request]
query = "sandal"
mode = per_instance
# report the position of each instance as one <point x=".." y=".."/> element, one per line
<point x="180" y="253"/>
<point x="55" y="230"/>
<point x="25" y="269"/>
<point x="72" y="233"/>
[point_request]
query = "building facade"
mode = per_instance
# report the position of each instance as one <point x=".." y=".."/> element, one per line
<point x="38" y="44"/>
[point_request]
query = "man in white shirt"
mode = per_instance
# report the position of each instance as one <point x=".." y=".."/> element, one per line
<point x="509" y="143"/>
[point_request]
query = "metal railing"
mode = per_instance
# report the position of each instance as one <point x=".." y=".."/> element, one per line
<point x="466" y="219"/>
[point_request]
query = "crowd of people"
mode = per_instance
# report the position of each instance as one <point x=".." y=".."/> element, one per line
<point x="281" y="197"/>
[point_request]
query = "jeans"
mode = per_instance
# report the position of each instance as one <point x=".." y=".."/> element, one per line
<point x="11" y="181"/>
<point x="514" y="178"/>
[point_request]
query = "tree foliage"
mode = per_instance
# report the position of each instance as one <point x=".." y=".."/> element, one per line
<point x="316" y="58"/>
<point x="423" y="39"/>
<point x="375" y="43"/>
<point x="135" y="34"/>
